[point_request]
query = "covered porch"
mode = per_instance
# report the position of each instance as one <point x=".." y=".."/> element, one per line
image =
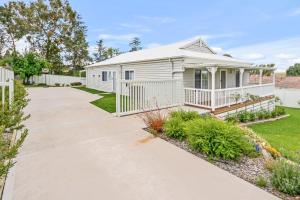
<point x="219" y="85"/>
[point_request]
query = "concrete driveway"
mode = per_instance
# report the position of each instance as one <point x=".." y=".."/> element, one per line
<point x="75" y="150"/>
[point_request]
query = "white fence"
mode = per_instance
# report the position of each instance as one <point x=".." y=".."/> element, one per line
<point x="194" y="96"/>
<point x="50" y="79"/>
<point x="6" y="81"/>
<point x="288" y="96"/>
<point x="143" y="95"/>
<point x="225" y="97"/>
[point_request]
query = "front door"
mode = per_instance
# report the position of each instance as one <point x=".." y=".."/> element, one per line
<point x="223" y="79"/>
<point x="197" y="78"/>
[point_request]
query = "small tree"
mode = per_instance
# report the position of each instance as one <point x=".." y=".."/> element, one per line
<point x="100" y="50"/>
<point x="227" y="55"/>
<point x="236" y="96"/>
<point x="278" y="100"/>
<point x="293" y="70"/>
<point x="135" y="44"/>
<point x="253" y="98"/>
<point x="28" y="65"/>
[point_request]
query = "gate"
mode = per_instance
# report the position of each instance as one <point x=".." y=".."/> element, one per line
<point x="134" y="96"/>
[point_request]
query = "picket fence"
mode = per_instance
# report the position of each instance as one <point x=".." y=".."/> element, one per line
<point x="52" y="80"/>
<point x="134" y="96"/>
<point x="6" y="84"/>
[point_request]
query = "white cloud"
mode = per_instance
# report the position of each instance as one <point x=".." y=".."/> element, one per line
<point x="136" y="27"/>
<point x="161" y="20"/>
<point x="218" y="36"/>
<point x="92" y="49"/>
<point x="152" y="45"/>
<point x="119" y="38"/>
<point x="98" y="29"/>
<point x="295" y="12"/>
<point x="253" y="56"/>
<point x="285" y="56"/>
<point x="283" y="53"/>
<point x="297" y="60"/>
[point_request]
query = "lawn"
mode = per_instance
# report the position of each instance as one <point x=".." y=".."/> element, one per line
<point x="107" y="101"/>
<point x="283" y="134"/>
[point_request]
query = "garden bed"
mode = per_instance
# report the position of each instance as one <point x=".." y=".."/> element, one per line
<point x="265" y="120"/>
<point x="229" y="146"/>
<point x="246" y="168"/>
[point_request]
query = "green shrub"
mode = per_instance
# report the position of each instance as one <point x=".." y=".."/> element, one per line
<point x="260" y="115"/>
<point x="185" y="115"/>
<point x="286" y="177"/>
<point x="57" y="84"/>
<point x="267" y="114"/>
<point x="42" y="84"/>
<point x="279" y="111"/>
<point x="75" y="84"/>
<point x="231" y="119"/>
<point x="217" y="138"/>
<point x="261" y="181"/>
<point x="291" y="155"/>
<point x="274" y="114"/>
<point x="252" y="116"/>
<point x="243" y="116"/>
<point x="11" y="119"/>
<point x="174" y="128"/>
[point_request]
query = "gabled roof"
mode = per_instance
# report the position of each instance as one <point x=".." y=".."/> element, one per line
<point x="193" y="49"/>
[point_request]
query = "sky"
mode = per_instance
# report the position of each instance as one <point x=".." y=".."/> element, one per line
<point x="260" y="31"/>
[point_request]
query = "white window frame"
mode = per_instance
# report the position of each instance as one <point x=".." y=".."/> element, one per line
<point x="102" y="77"/>
<point x="129" y="70"/>
<point x="207" y="74"/>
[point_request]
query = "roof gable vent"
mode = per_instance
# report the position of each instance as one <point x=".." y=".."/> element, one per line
<point x="198" y="46"/>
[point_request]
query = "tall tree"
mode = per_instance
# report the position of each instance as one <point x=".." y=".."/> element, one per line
<point x="12" y="23"/>
<point x="135" y="44"/>
<point x="51" y="25"/>
<point x="100" y="49"/>
<point x="77" y="46"/>
<point x="3" y="42"/>
<point x="110" y="52"/>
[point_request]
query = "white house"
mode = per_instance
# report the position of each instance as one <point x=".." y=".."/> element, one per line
<point x="203" y="78"/>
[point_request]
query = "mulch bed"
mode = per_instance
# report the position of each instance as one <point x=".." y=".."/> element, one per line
<point x="245" y="168"/>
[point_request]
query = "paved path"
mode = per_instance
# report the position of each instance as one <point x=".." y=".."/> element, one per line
<point x="77" y="151"/>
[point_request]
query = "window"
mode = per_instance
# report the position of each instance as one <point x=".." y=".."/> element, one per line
<point x="129" y="75"/>
<point x="104" y="76"/>
<point x="110" y="75"/>
<point x="204" y="79"/>
<point x="237" y="78"/>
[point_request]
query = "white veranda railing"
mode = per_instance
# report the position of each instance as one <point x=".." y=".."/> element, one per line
<point x="135" y="96"/>
<point x="7" y="85"/>
<point x="225" y="97"/>
<point x="194" y="96"/>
